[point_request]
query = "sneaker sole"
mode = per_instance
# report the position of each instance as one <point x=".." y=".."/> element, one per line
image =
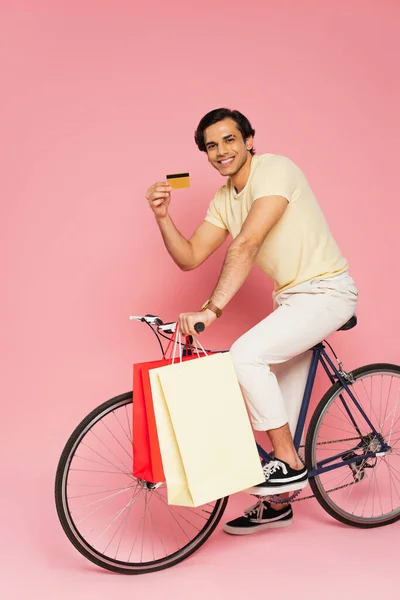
<point x="278" y="489"/>
<point x="261" y="527"/>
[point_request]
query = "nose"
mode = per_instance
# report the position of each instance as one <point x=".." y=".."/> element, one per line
<point x="222" y="149"/>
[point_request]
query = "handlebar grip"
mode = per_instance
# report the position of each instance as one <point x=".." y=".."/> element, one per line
<point x="199" y="327"/>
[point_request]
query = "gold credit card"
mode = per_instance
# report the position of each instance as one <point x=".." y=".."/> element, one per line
<point x="179" y="180"/>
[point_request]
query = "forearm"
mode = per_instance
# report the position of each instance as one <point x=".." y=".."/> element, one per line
<point x="178" y="247"/>
<point x="238" y="263"/>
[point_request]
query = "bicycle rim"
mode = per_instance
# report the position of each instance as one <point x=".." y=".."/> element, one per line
<point x="114" y="519"/>
<point x="365" y="493"/>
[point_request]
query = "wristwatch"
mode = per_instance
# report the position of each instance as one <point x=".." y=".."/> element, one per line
<point x="211" y="306"/>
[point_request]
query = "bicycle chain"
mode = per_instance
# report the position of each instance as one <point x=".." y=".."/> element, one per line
<point x="293" y="497"/>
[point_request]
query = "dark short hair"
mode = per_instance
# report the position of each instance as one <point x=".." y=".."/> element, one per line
<point x="220" y="114"/>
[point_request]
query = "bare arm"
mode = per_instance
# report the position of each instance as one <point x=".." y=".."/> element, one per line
<point x="241" y="255"/>
<point x="187" y="254"/>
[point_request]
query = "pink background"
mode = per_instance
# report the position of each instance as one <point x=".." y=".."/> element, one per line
<point x="100" y="100"/>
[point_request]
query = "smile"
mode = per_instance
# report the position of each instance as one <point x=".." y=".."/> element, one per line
<point x="226" y="161"/>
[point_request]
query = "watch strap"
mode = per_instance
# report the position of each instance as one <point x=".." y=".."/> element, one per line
<point x="211" y="306"/>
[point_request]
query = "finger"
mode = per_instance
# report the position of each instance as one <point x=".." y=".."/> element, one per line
<point x="190" y="327"/>
<point x="159" y="195"/>
<point x="155" y="190"/>
<point x="185" y="325"/>
<point x="157" y="203"/>
<point x="181" y="325"/>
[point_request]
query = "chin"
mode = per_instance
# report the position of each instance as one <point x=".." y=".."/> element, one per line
<point x="226" y="172"/>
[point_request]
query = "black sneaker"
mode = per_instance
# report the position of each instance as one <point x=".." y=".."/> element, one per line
<point x="258" y="517"/>
<point x="280" y="478"/>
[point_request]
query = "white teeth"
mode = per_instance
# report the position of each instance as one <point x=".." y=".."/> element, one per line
<point x="225" y="162"/>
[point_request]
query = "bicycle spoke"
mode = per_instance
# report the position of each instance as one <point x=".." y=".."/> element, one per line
<point x="105" y="498"/>
<point x="177" y="513"/>
<point x="151" y="529"/>
<point x="337" y="428"/>
<point x="116" y="515"/>
<point x="126" y="508"/>
<point x="377" y="486"/>
<point x="371" y="404"/>
<point x="128" y="514"/>
<point x="387" y="401"/>
<point x="375" y="496"/>
<point x="391" y="480"/>
<point x="113" y="453"/>
<point x="96" y="462"/>
<point x="394" y="414"/>
<point x="112" y="515"/>
<point x="103" y="457"/>
<point x="94" y="493"/>
<point x="347" y="421"/>
<point x="144" y="526"/>
<point x="172" y="513"/>
<point x="117" y="440"/>
<point x="127" y="435"/>
<point x="393" y="476"/>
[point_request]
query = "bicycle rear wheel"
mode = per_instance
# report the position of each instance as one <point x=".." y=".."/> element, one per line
<point x="366" y="493"/>
<point x="118" y="522"/>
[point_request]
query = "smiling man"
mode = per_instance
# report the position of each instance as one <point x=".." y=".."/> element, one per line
<point x="269" y="209"/>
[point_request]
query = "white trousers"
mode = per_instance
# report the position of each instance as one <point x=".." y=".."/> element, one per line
<point x="273" y="358"/>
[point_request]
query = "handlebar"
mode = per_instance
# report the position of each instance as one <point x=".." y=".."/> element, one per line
<point x="166" y="327"/>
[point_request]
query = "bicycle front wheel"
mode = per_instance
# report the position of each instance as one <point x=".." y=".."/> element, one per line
<point x="118" y="522"/>
<point x="366" y="492"/>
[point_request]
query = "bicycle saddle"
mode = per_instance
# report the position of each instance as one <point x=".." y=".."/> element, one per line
<point x="352" y="322"/>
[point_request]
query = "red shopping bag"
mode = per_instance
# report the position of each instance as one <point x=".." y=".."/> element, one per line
<point x="147" y="463"/>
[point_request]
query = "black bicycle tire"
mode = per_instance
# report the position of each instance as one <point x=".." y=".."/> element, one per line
<point x="375" y="367"/>
<point x="118" y="567"/>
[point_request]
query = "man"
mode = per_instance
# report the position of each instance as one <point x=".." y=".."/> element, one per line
<point x="275" y="221"/>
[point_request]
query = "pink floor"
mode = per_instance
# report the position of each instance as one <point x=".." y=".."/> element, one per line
<point x="316" y="557"/>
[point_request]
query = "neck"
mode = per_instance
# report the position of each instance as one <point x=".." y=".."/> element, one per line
<point x="239" y="179"/>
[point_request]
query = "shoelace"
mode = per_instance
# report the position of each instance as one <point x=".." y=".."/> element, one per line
<point x="272" y="467"/>
<point x="256" y="510"/>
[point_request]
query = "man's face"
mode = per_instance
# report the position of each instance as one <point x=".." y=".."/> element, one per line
<point x="226" y="149"/>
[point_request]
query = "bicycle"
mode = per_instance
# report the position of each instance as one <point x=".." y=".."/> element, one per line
<point x="125" y="524"/>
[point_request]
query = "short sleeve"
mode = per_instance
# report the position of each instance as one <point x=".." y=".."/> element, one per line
<point x="275" y="176"/>
<point x="214" y="214"/>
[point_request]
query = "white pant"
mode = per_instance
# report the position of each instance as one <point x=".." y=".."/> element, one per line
<point x="272" y="359"/>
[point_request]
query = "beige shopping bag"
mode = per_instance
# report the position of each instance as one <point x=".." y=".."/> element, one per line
<point x="206" y="441"/>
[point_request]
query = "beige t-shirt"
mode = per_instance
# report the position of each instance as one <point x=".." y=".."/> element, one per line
<point x="300" y="246"/>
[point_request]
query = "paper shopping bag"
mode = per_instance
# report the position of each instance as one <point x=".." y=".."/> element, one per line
<point x="206" y="440"/>
<point x="147" y="462"/>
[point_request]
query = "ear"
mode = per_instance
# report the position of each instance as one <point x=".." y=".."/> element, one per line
<point x="249" y="142"/>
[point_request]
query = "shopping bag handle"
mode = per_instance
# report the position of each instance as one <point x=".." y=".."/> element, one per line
<point x="194" y="345"/>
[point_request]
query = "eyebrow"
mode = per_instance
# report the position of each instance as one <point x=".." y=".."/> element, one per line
<point x="225" y="137"/>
